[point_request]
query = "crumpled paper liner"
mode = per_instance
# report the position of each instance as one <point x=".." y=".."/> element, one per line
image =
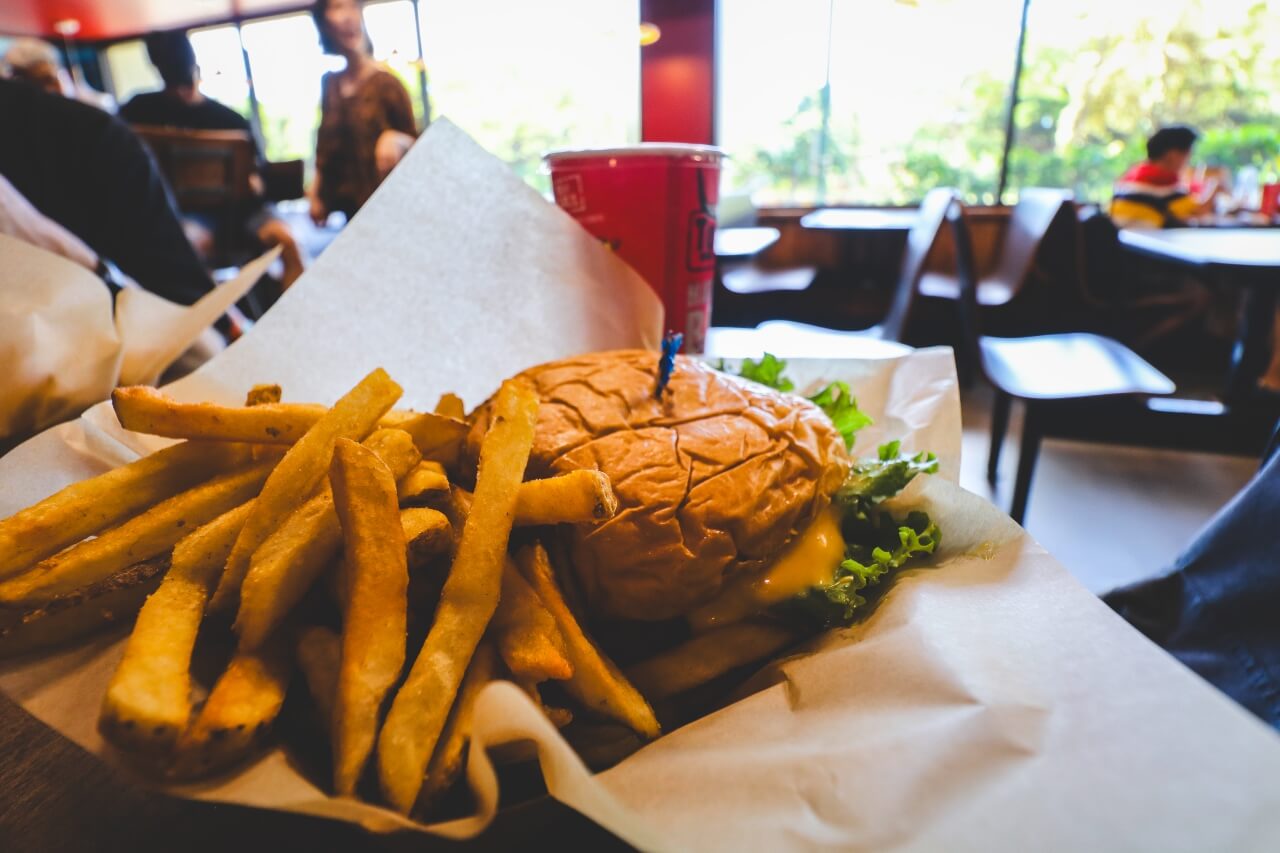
<point x="63" y="349"/>
<point x="988" y="702"/>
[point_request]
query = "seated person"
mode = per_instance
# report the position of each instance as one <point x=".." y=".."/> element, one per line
<point x="1152" y="193"/>
<point x="35" y="61"/>
<point x="87" y="172"/>
<point x="1216" y="609"/>
<point x="181" y="104"/>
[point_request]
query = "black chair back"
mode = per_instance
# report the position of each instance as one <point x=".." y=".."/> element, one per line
<point x="920" y="240"/>
<point x="1029" y="223"/>
<point x="1100" y="260"/>
<point x="967" y="276"/>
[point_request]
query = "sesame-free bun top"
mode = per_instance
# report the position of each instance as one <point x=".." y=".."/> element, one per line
<point x="713" y="479"/>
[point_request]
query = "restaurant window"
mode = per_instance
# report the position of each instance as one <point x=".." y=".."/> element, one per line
<point x="523" y="78"/>
<point x="1100" y="76"/>
<point x="394" y="35"/>
<point x="221" y="62"/>
<point x="130" y="71"/>
<point x="287" y="64"/>
<point x="911" y="84"/>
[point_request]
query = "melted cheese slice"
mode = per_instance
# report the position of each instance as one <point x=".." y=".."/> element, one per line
<point x="808" y="561"/>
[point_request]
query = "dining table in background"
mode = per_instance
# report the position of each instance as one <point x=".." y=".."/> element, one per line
<point x="868" y="245"/>
<point x="861" y="219"/>
<point x="744" y="243"/>
<point x="1248" y="258"/>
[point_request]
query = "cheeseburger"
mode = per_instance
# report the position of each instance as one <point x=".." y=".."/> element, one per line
<point x="733" y="497"/>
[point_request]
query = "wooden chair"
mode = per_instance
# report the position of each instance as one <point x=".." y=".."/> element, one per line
<point x="1048" y="373"/>
<point x="209" y="171"/>
<point x="1029" y="222"/>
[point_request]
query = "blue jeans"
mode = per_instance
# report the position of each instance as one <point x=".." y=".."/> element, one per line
<point x="1218" y="609"/>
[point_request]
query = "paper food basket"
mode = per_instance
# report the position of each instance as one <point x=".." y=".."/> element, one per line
<point x="990" y="702"/>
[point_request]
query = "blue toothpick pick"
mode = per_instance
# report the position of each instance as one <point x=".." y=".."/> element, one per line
<point x="670" y="346"/>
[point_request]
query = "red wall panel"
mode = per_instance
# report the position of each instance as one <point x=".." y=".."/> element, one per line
<point x="104" y="19"/>
<point x="677" y="73"/>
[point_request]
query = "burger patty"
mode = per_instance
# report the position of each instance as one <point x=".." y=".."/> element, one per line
<point x="713" y="479"/>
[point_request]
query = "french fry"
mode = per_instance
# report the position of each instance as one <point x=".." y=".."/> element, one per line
<point x="91" y="506"/>
<point x="528" y="638"/>
<point x="263" y="395"/>
<point x="374" y="620"/>
<point x="144" y="409"/>
<point x="470" y="596"/>
<point x="302" y="469"/>
<point x="140" y="538"/>
<point x="438" y="437"/>
<point x="240" y="709"/>
<point x="707" y="656"/>
<point x="82" y="611"/>
<point x="426" y="535"/>
<point x="457" y="506"/>
<point x="596" y="682"/>
<point x="559" y="717"/>
<point x="319" y="656"/>
<point x="141" y="408"/>
<point x="148" y="702"/>
<point x="427" y="482"/>
<point x="450" y="405"/>
<point x="602" y="744"/>
<point x="578" y="496"/>
<point x="446" y="762"/>
<point x="285" y="566"/>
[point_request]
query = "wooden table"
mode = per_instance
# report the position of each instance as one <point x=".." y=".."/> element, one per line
<point x="861" y="219"/>
<point x="734" y="244"/>
<point x="1248" y="257"/>
<point x="56" y="797"/>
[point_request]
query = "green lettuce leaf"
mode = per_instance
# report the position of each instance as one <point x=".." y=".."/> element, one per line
<point x="873" y="480"/>
<point x="889" y="547"/>
<point x="876" y="543"/>
<point x="767" y="371"/>
<point x="840" y="405"/>
<point x="835" y="400"/>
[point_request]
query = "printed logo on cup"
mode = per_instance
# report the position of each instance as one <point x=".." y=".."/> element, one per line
<point x="701" y="253"/>
<point x="569" y="194"/>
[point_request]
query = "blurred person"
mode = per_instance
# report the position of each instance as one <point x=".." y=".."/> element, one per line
<point x="36" y="61"/>
<point x="1152" y="194"/>
<point x="181" y="104"/>
<point x="80" y="183"/>
<point x="1214" y="610"/>
<point x="366" y="122"/>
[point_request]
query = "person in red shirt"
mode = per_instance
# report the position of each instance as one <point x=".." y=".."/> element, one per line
<point x="1152" y="193"/>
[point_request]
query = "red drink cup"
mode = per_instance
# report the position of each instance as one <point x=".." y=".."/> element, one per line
<point x="1270" y="199"/>
<point x="653" y="204"/>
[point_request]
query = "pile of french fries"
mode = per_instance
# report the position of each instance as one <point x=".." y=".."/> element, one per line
<point x="335" y="543"/>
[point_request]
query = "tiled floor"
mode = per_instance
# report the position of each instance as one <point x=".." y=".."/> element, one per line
<point x="1112" y="515"/>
